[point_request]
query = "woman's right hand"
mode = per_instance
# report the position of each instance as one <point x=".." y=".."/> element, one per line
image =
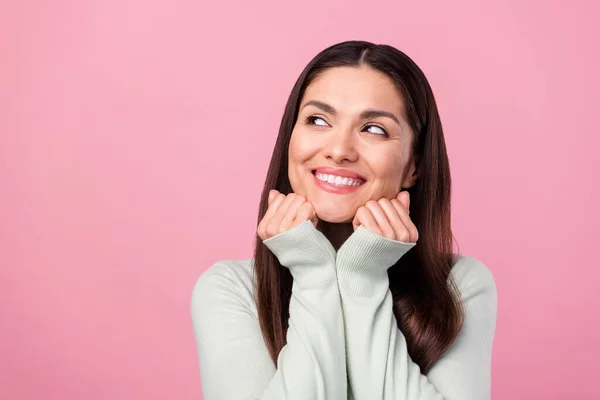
<point x="285" y="213"/>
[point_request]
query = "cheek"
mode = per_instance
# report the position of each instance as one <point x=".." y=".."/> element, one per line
<point x="298" y="154"/>
<point x="295" y="150"/>
<point x="292" y="146"/>
<point x="387" y="167"/>
<point x="301" y="148"/>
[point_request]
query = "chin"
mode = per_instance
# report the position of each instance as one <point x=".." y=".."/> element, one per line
<point x="334" y="215"/>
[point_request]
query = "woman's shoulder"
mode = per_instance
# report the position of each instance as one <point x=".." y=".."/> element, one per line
<point x="238" y="271"/>
<point x="472" y="276"/>
<point x="225" y="281"/>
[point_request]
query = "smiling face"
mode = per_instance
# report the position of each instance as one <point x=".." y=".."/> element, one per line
<point x="351" y="123"/>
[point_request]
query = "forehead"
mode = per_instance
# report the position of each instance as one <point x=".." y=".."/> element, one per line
<point x="353" y="89"/>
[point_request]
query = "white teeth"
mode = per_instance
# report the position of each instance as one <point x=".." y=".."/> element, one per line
<point x="338" y="180"/>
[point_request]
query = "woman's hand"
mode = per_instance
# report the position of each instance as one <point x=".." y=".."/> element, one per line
<point x="388" y="218"/>
<point x="285" y="213"/>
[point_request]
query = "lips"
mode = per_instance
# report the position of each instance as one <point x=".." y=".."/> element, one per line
<point x="344" y="185"/>
<point x="338" y="172"/>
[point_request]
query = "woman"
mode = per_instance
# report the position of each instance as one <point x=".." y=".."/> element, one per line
<point x="353" y="291"/>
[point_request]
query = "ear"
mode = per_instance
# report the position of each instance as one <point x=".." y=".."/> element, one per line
<point x="411" y="175"/>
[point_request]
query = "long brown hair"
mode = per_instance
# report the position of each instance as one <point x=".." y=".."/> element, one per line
<point x="426" y="306"/>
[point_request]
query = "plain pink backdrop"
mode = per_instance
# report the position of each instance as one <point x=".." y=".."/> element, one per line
<point x="135" y="138"/>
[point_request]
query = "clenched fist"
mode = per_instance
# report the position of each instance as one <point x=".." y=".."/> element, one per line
<point x="388" y="218"/>
<point x="285" y="213"/>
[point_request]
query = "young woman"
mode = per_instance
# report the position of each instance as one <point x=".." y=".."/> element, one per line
<point x="354" y="291"/>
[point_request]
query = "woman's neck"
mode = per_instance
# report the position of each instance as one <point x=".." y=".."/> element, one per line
<point x="337" y="233"/>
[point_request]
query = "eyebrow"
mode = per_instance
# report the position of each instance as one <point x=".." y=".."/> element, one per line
<point x="366" y="114"/>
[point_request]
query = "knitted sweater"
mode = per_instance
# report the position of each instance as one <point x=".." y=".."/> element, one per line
<point x="343" y="341"/>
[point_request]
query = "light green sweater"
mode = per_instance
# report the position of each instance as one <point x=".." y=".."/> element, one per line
<point x="342" y="341"/>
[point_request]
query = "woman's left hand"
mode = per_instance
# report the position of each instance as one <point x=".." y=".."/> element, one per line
<point x="388" y="218"/>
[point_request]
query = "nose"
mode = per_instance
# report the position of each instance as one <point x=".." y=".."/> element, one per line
<point x="340" y="147"/>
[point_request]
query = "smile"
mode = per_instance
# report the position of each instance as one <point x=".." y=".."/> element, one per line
<point x="338" y="180"/>
<point x="337" y="184"/>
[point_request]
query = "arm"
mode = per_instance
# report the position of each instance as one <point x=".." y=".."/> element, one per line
<point x="379" y="365"/>
<point x="234" y="361"/>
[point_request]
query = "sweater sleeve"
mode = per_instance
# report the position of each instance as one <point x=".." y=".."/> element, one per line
<point x="233" y="359"/>
<point x="379" y="366"/>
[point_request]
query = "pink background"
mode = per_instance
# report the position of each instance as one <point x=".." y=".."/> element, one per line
<point x="135" y="138"/>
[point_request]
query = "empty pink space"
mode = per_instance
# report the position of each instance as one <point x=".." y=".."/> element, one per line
<point x="135" y="138"/>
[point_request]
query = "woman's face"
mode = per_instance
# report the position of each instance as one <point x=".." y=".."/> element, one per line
<point x="351" y="123"/>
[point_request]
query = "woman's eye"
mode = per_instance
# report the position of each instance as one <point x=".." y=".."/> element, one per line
<point x="377" y="130"/>
<point x="318" y="121"/>
<point x="313" y="120"/>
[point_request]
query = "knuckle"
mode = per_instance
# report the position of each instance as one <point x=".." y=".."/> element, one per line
<point x="416" y="234"/>
<point x="404" y="236"/>
<point x="305" y="208"/>
<point x="271" y="230"/>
